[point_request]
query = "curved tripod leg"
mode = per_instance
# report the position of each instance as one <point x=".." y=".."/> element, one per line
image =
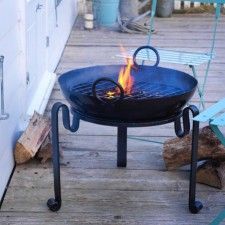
<point x="54" y="204"/>
<point x="186" y="124"/>
<point x="194" y="206"/>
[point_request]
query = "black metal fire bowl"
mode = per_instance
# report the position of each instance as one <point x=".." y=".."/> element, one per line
<point x="158" y="97"/>
<point x="157" y="93"/>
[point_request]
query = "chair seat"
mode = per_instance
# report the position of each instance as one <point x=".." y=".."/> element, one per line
<point x="213" y="114"/>
<point x="219" y="121"/>
<point x="216" y="117"/>
<point x="170" y="56"/>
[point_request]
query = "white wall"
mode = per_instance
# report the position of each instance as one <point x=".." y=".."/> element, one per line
<point x="13" y="45"/>
<point x="11" y="48"/>
<point x="58" y="28"/>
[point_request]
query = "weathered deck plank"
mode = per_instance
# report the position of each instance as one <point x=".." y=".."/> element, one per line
<point x="94" y="190"/>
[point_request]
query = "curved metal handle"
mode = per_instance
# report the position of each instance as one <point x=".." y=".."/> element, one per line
<point x="146" y="47"/>
<point x="108" y="100"/>
<point x="181" y="132"/>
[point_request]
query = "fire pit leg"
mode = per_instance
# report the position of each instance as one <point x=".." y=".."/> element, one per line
<point x="54" y="204"/>
<point x="194" y="206"/>
<point x="122" y="146"/>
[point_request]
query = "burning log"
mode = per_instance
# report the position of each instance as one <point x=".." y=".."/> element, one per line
<point x="177" y="151"/>
<point x="32" y="138"/>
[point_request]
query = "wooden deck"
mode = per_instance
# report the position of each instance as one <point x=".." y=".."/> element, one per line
<point x="94" y="190"/>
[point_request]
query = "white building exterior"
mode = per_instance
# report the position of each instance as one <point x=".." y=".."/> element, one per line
<point x="33" y="34"/>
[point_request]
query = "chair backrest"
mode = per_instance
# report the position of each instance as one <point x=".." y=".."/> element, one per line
<point x="218" y="7"/>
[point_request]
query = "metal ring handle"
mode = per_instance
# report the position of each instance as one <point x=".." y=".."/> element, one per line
<point x="108" y="80"/>
<point x="146" y="47"/>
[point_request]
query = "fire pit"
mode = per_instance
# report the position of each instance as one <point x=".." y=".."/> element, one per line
<point x="145" y="93"/>
<point x="139" y="96"/>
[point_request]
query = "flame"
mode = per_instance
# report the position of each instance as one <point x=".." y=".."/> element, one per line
<point x="125" y="78"/>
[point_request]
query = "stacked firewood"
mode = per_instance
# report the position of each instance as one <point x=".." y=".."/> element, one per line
<point x="34" y="141"/>
<point x="211" y="153"/>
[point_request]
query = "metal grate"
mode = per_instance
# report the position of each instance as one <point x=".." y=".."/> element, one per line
<point x="141" y="90"/>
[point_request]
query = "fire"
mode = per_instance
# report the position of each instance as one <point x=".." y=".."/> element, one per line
<point x="125" y="79"/>
<point x="110" y="94"/>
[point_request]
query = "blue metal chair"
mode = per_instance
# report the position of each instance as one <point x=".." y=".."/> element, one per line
<point x="215" y="115"/>
<point x="185" y="58"/>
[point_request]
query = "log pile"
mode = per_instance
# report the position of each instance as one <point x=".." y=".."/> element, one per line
<point x="177" y="153"/>
<point x="34" y="139"/>
<point x="45" y="151"/>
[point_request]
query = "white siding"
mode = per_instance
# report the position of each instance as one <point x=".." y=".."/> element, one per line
<point x="11" y="48"/>
<point x="58" y="28"/>
<point x="14" y="44"/>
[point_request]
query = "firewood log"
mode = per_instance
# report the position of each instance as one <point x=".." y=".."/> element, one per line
<point x="45" y="151"/>
<point x="177" y="151"/>
<point x="212" y="173"/>
<point x="32" y="138"/>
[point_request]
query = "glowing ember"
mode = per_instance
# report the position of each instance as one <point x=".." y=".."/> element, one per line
<point x="110" y="94"/>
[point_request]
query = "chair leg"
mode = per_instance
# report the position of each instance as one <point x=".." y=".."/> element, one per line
<point x="194" y="206"/>
<point x="54" y="204"/>
<point x="200" y="90"/>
